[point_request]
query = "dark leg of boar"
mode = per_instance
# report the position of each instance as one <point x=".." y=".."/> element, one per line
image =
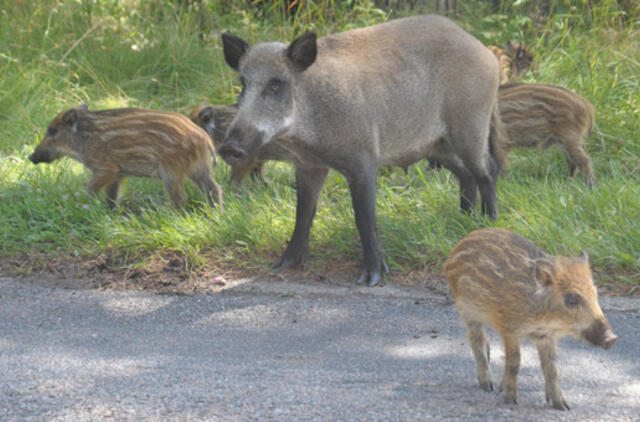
<point x="309" y="182"/>
<point x="484" y="169"/>
<point x="362" y="185"/>
<point x="548" y="355"/>
<point x="446" y="157"/>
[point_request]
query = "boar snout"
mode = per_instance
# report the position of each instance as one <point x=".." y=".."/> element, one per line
<point x="609" y="339"/>
<point x="239" y="146"/>
<point x="40" y="157"/>
<point x="600" y="334"/>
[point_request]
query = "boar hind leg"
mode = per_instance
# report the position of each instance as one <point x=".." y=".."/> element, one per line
<point x="474" y="152"/>
<point x="112" y="193"/>
<point x="362" y="184"/>
<point x="309" y="182"/>
<point x="548" y="355"/>
<point x="468" y="188"/>
<point x="509" y="383"/>
<point x="481" y="352"/>
<point x="202" y="178"/>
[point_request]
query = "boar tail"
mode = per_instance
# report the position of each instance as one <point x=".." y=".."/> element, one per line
<point x="497" y="137"/>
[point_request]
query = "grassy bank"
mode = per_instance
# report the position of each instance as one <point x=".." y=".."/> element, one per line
<point x="57" y="54"/>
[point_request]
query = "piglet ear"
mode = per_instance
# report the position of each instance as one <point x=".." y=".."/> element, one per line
<point x="545" y="271"/>
<point x="583" y="255"/>
<point x="302" y="51"/>
<point x="206" y="114"/>
<point x="70" y="118"/>
<point x="234" y="48"/>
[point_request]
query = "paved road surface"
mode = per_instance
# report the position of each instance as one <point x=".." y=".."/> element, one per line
<point x="281" y="351"/>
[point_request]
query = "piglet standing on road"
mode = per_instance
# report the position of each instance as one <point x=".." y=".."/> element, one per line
<point x="386" y="95"/>
<point x="123" y="142"/>
<point x="502" y="279"/>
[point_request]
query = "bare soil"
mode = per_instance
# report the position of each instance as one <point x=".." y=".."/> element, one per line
<point x="170" y="273"/>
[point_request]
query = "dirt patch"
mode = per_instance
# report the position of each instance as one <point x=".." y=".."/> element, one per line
<point x="170" y="272"/>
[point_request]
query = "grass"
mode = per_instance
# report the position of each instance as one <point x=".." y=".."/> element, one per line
<point x="57" y="54"/>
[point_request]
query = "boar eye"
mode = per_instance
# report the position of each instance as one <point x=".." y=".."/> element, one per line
<point x="52" y="131"/>
<point x="571" y="300"/>
<point x="274" y="87"/>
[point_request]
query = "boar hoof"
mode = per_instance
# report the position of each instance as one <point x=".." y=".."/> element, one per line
<point x="508" y="399"/>
<point x="284" y="263"/>
<point x="487" y="386"/>
<point x="372" y="279"/>
<point x="558" y="403"/>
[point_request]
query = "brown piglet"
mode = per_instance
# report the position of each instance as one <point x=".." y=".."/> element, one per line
<point x="215" y="119"/>
<point x="123" y="142"/>
<point x="502" y="279"/>
<point x="514" y="61"/>
<point x="543" y="115"/>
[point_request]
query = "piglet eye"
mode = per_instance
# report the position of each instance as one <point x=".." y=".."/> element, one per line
<point x="571" y="300"/>
<point x="275" y="85"/>
<point x="52" y="131"/>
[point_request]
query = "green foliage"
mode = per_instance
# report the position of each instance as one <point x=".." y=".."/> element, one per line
<point x="167" y="55"/>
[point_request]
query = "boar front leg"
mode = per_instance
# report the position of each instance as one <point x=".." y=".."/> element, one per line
<point x="548" y="355"/>
<point x="362" y="184"/>
<point x="107" y="176"/>
<point x="309" y="182"/>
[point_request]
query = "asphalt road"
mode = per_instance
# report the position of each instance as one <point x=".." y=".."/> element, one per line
<point x="281" y="351"/>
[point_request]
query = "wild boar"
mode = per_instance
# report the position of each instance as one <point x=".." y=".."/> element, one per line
<point x="385" y="95"/>
<point x="123" y="142"/>
<point x="215" y="120"/>
<point x="514" y="61"/>
<point x="542" y="115"/>
<point x="502" y="279"/>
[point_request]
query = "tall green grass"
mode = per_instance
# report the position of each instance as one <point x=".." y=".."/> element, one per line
<point x="164" y="55"/>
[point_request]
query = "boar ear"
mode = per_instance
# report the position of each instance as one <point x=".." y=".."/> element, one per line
<point x="545" y="270"/>
<point x="206" y="114"/>
<point x="83" y="107"/>
<point x="302" y="51"/>
<point x="70" y="118"/>
<point x="234" y="48"/>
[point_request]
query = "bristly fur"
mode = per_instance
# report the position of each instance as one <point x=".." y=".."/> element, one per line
<point x="215" y="120"/>
<point x="504" y="280"/>
<point x="118" y="143"/>
<point x="514" y="61"/>
<point x="538" y="115"/>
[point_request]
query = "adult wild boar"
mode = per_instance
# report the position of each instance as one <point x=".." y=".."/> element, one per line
<point x="389" y="94"/>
